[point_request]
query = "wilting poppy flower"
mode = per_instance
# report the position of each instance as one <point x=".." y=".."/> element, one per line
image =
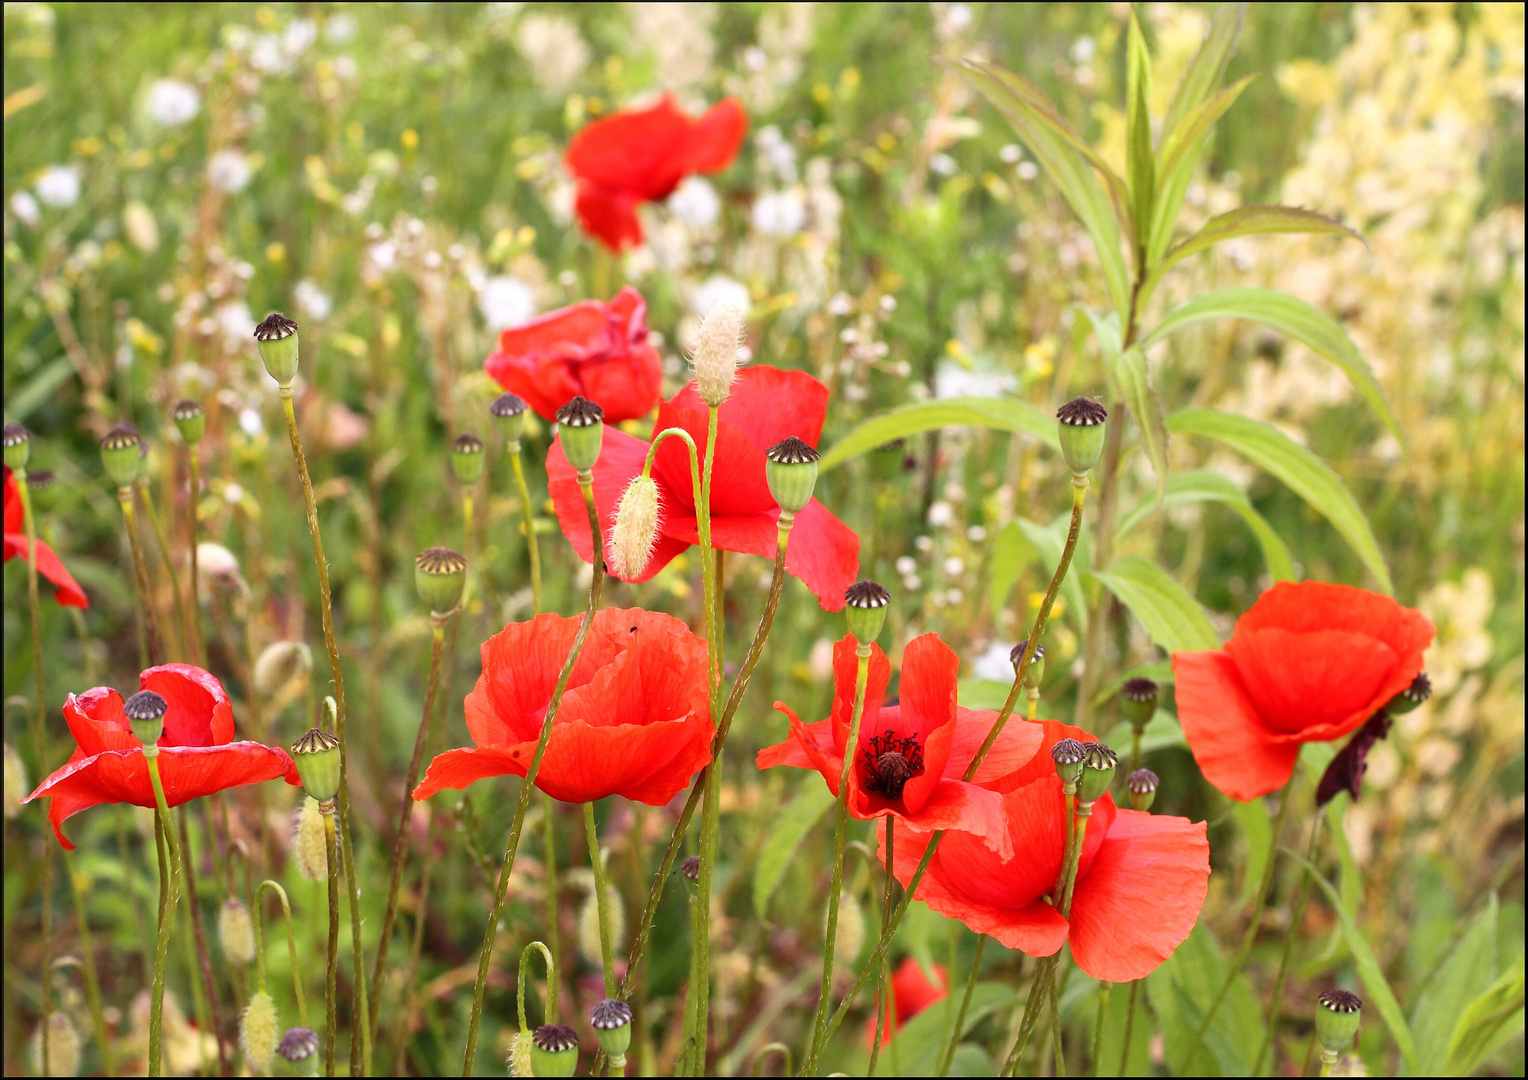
<point x="640" y="155"/>
<point x="635" y="719"/>
<point x="1140" y="883"/>
<point x="49" y="565"/>
<point x="1309" y="662"/>
<point x="196" y="753"/>
<point x="591" y="348"/>
<point x="766" y="405"/>
<point x="1346" y="770"/>
<point x="911" y="756"/>
<point x="911" y="992"/>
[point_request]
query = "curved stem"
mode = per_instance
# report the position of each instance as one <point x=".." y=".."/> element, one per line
<point x="884" y="1003"/>
<point x="1298" y="912"/>
<point x="524" y="980"/>
<point x="141" y="576"/>
<point x="331" y="955"/>
<point x="162" y="541"/>
<point x="528" y="516"/>
<point x="965" y="1003"/>
<point x="286" y="910"/>
<point x="1098" y="1028"/>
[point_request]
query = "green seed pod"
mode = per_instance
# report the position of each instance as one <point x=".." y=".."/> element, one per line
<point x="440" y="575"/>
<point x="1338" y="1013"/>
<point x="277" y="338"/>
<point x="42" y="485"/>
<point x="1036" y="670"/>
<point x="191" y="419"/>
<point x="1068" y="755"/>
<point x="145" y="712"/>
<point x="467" y="458"/>
<point x="1097" y="771"/>
<point x="1142" y="785"/>
<point x="581" y="431"/>
<point x="258" y="1029"/>
<point x="791" y="469"/>
<point x="312" y="848"/>
<point x="611" y="1021"/>
<point x="520" y="1054"/>
<point x="865" y="605"/>
<point x="1082" y="433"/>
<point x="1411" y="697"/>
<point x="1138" y="702"/>
<point x="122" y="455"/>
<point x="509" y="410"/>
<point x="18" y="446"/>
<point x="236" y="932"/>
<point x="317" y="755"/>
<point x="554" y="1050"/>
<point x="298" y="1044"/>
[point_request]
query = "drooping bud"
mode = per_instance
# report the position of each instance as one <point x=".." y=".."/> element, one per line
<point x="611" y="1021"/>
<point x="636" y="528"/>
<point x="467" y="458"/>
<point x="298" y="1044"/>
<point x="440" y="574"/>
<point x="236" y="932"/>
<point x="520" y="1054"/>
<point x="122" y="455"/>
<point x="849" y="936"/>
<point x="690" y="868"/>
<point x="581" y="431"/>
<point x="716" y="352"/>
<point x="554" y="1050"/>
<point x="791" y="470"/>
<point x="279" y="663"/>
<point x="509" y="410"/>
<point x="865" y="605"/>
<point x="16" y="786"/>
<point x="1411" y="697"/>
<point x="1138" y="702"/>
<point x="312" y="848"/>
<point x="191" y="419"/>
<point x="1338" y="1013"/>
<point x="1142" y="785"/>
<point x="1082" y="432"/>
<point x="317" y="755"/>
<point x="259" y="1031"/>
<point x="63" y="1047"/>
<point x="589" y="924"/>
<point x="277" y="338"/>
<point x="18" y="446"/>
<point x="1069" y="754"/>
<point x="1097" y="770"/>
<point x="145" y="712"/>
<point x="1036" y="670"/>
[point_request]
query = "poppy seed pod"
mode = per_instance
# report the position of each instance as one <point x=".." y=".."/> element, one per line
<point x="716" y="352"/>
<point x="636" y="528"/>
<point x="276" y="337"/>
<point x="1036" y="670"/>
<point x="312" y="848"/>
<point x="790" y="467"/>
<point x="690" y="868"/>
<point x="317" y="755"/>
<point x="122" y="455"/>
<point x="467" y="458"/>
<point x="1097" y="770"/>
<point x="42" y="486"/>
<point x="1338" y="1013"/>
<point x="1069" y="754"/>
<point x="440" y="575"/>
<point x="236" y="932"/>
<point x="611" y="1021"/>
<point x="1082" y="433"/>
<point x="258" y="1031"/>
<point x="509" y="410"/>
<point x="298" y="1044"/>
<point x="554" y="1050"/>
<point x="581" y="430"/>
<point x="145" y="712"/>
<point x="1138" y="702"/>
<point x="1142" y="785"/>
<point x="18" y="446"/>
<point x="1411" y="697"/>
<point x="865" y="605"/>
<point x="191" y="419"/>
<point x="520" y="1054"/>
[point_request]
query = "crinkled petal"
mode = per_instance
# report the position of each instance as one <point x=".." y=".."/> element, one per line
<point x="199" y="712"/>
<point x="714" y="139"/>
<point x="1233" y="748"/>
<point x="68" y="592"/>
<point x="1017" y="745"/>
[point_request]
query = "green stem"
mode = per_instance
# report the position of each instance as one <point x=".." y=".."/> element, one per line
<point x="1124" y="1054"/>
<point x="884" y="1002"/>
<point x="965" y="1003"/>
<point x="161" y="541"/>
<point x="601" y="898"/>
<point x="161" y="948"/>
<point x="1098" y="1028"/>
<point x="1298" y="912"/>
<point x="554" y="931"/>
<point x="199" y="940"/>
<point x="528" y="514"/>
<point x="525" y="978"/>
<point x="196" y="586"/>
<point x="286" y="910"/>
<point x="88" y="969"/>
<point x="141" y="576"/>
<point x="331" y="955"/>
<point x="1058" y="1049"/>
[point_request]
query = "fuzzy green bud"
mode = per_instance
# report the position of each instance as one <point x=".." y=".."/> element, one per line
<point x="467" y="458"/>
<point x="611" y="1021"/>
<point x="509" y="410"/>
<point x="18" y="446"/>
<point x="1068" y="755"/>
<point x="191" y="419"/>
<point x="636" y="528"/>
<point x="63" y="1046"/>
<point x="849" y="935"/>
<point x="790" y="467"/>
<point x="581" y="431"/>
<point x="1138" y="702"/>
<point x="1142" y="785"/>
<point x="145" y="712"/>
<point x="1036" y="669"/>
<point x="311" y="846"/>
<point x="520" y="1054"/>
<point x="440" y="574"/>
<point x="1338" y="1013"/>
<point x="865" y="605"/>
<point x="259" y="1031"/>
<point x="554" y="1050"/>
<point x="1097" y="771"/>
<point x="236" y="932"/>
<point x="1082" y="432"/>
<point x="317" y="755"/>
<point x="276" y="337"/>
<point x="122" y="455"/>
<point x="1411" y="697"/>
<point x="715" y="358"/>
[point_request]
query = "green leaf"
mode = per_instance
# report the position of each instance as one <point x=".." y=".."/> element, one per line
<point x="1142" y="162"/>
<point x="1172" y="617"/>
<point x="1465" y="975"/>
<point x="1302" y="471"/>
<point x="1206" y="485"/>
<point x="1252" y="817"/>
<point x="917" y="1047"/>
<point x="1487" y="1023"/>
<point x="1293" y="318"/>
<point x="1011" y="553"/>
<point x="37" y="390"/>
<point x="1181" y="990"/>
<point x="1176" y="161"/>
<point x="1207" y="67"/>
<point x="1001" y="413"/>
<point x="1050" y="542"/>
<point x="1135" y="388"/>
<point x="788" y="829"/>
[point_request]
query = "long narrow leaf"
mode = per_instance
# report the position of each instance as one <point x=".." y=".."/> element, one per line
<point x="1172" y="617"/>
<point x="1204" y="485"/>
<point x="1177" y="159"/>
<point x="1487" y="1023"/>
<point x="1206" y="69"/>
<point x="1141" y="160"/>
<point x="1002" y="413"/>
<point x="1135" y="388"/>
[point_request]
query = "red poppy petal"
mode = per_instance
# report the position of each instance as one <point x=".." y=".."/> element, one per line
<point x="950" y="804"/>
<point x="823" y="554"/>
<point x="609" y="216"/>
<point x="647" y="763"/>
<point x="15" y="513"/>
<point x="1141" y="897"/>
<point x="1323" y="679"/>
<point x="845" y="674"/>
<point x="521" y="664"/>
<point x="1234" y="750"/>
<point x="96" y="721"/>
<point x="49" y="566"/>
<point x="199" y="712"/>
<point x="930" y="670"/>
<point x="794" y="752"/>
<point x="1036" y="827"/>
<point x="627" y="385"/>
<point x="636" y="151"/>
<point x="738" y="484"/>
<point x="456" y="769"/>
<point x="545" y="381"/>
<point x="1017" y="745"/>
<point x="638" y="667"/>
<point x="767" y="404"/>
<point x="1310" y="606"/>
<point x="1040" y="766"/>
<point x="713" y="141"/>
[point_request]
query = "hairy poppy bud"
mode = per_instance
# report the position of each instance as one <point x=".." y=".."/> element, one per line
<point x="298" y="1044"/>
<point x="1082" y="432"/>
<point x="236" y="932"/>
<point x="791" y="469"/>
<point x="509" y="410"/>
<point x="467" y="458"/>
<point x="1097" y="770"/>
<point x="1142" y="785"/>
<point x="1338" y="1013"/>
<point x="440" y="574"/>
<point x="1068" y="755"/>
<point x="16" y="786"/>
<point x="581" y="430"/>
<point x="636" y="527"/>
<point x="145" y="712"/>
<point x="63" y="1046"/>
<point x="611" y="1021"/>
<point x="1036" y="670"/>
<point x="277" y="338"/>
<point x="849" y="938"/>
<point x="690" y="868"/>
<point x="258" y="1031"/>
<point x="279" y="663"/>
<point x="191" y="419"/>
<point x="865" y="608"/>
<point x="1138" y="701"/>
<point x="589" y="924"/>
<point x="520" y="1055"/>
<point x="18" y="446"/>
<point x="1411" y="697"/>
<point x="317" y="755"/>
<point x="716" y="352"/>
<point x="554" y="1050"/>
<point x="122" y="455"/>
<point x="312" y="848"/>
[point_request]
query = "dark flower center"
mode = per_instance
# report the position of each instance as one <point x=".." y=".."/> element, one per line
<point x="889" y="763"/>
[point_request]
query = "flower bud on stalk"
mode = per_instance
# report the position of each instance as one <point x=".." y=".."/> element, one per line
<point x="258" y="1031"/>
<point x="276" y="337"/>
<point x="1036" y="670"/>
<point x="440" y="575"/>
<point x="520" y="1055"/>
<point x="1097" y="771"/>
<point x="509" y="410"/>
<point x="122" y="455"/>
<point x="467" y="459"/>
<point x="63" y="1047"/>
<point x="611" y="1021"/>
<point x="1142" y="785"/>
<point x="1082" y="433"/>
<point x="236" y="933"/>
<point x="145" y="712"/>
<point x="636" y="528"/>
<point x="716" y="352"/>
<point x="18" y="446"/>
<point x="554" y="1050"/>
<point x="1069" y="755"/>
<point x="1138" y="702"/>
<point x="317" y="755"/>
<point x="1411" y="697"/>
<point x="1338" y="1013"/>
<point x="312" y="851"/>
<point x="865" y="605"/>
<point x="690" y="869"/>
<point x="791" y="470"/>
<point x="298" y="1044"/>
<point x="191" y="419"/>
<point x="581" y="430"/>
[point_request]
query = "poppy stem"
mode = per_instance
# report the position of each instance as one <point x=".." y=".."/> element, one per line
<point x="149" y="620"/>
<point x="1124" y="1054"/>
<point x="1098" y="1028"/>
<point x="161" y="540"/>
<point x="1296" y="915"/>
<point x="195" y="626"/>
<point x="1103" y="551"/>
<point x="199" y="940"/>
<point x="601" y="898"/>
<point x="485" y="956"/>
<point x="78" y="885"/>
<point x="331" y="961"/>
<point x="884" y="1002"/>
<point x="286" y="910"/>
<point x="528" y="514"/>
<point x="965" y="1003"/>
<point x="525" y="978"/>
<point x="168" y="889"/>
<point x="554" y="932"/>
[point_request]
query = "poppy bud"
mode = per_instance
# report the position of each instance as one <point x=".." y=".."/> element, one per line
<point x="279" y="663"/>
<point x="690" y="868"/>
<point x="581" y="430"/>
<point x="509" y="410"/>
<point x="257" y="1031"/>
<point x="467" y="458"/>
<point x="1138" y="701"/>
<point x="18" y="446"/>
<point x="1411" y="697"/>
<point x="716" y="350"/>
<point x="122" y="455"/>
<point x="1142" y="785"/>
<point x="791" y="469"/>
<point x="277" y="338"/>
<point x="440" y="574"/>
<point x="1069" y="754"/>
<point x="1036" y="670"/>
<point x="16" y="786"/>
<point x="554" y="1050"/>
<point x="298" y="1044"/>
<point x="1097" y="770"/>
<point x="191" y="419"/>
<point x="520" y="1054"/>
<point x="63" y="1047"/>
<point x="145" y="712"/>
<point x="636" y="527"/>
<point x="611" y="1021"/>
<point x="1338" y="1013"/>
<point x="1082" y="432"/>
<point x="236" y="932"/>
<point x="589" y="924"/>
<point x="865" y="608"/>
<point x="312" y="848"/>
<point x="849" y="937"/>
<point x="317" y="755"/>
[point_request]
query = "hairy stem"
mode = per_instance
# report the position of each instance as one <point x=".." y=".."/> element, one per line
<point x="141" y="576"/>
<point x="162" y="541"/>
<point x="331" y="955"/>
<point x="965" y="1003"/>
<point x="199" y="938"/>
<point x="195" y="628"/>
<point x="1124" y="1054"/>
<point x="884" y="1003"/>
<point x="528" y="517"/>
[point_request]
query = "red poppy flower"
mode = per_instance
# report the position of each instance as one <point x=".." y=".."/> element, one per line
<point x="591" y="348"/>
<point x="49" y="565"/>
<point x="635" y="719"/>
<point x="196" y="753"/>
<point x="640" y="155"/>
<point x="911" y="756"/>
<point x="1140" y="883"/>
<point x="766" y="405"/>
<point x="1309" y="662"/>
<point x="911" y="992"/>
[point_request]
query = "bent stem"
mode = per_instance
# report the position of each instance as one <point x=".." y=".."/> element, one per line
<point x="965" y="1004"/>
<point x="286" y="910"/>
<point x="485" y="956"/>
<point x="331" y="955"/>
<point x="528" y="516"/>
<point x="140" y="576"/>
<point x="1298" y="912"/>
